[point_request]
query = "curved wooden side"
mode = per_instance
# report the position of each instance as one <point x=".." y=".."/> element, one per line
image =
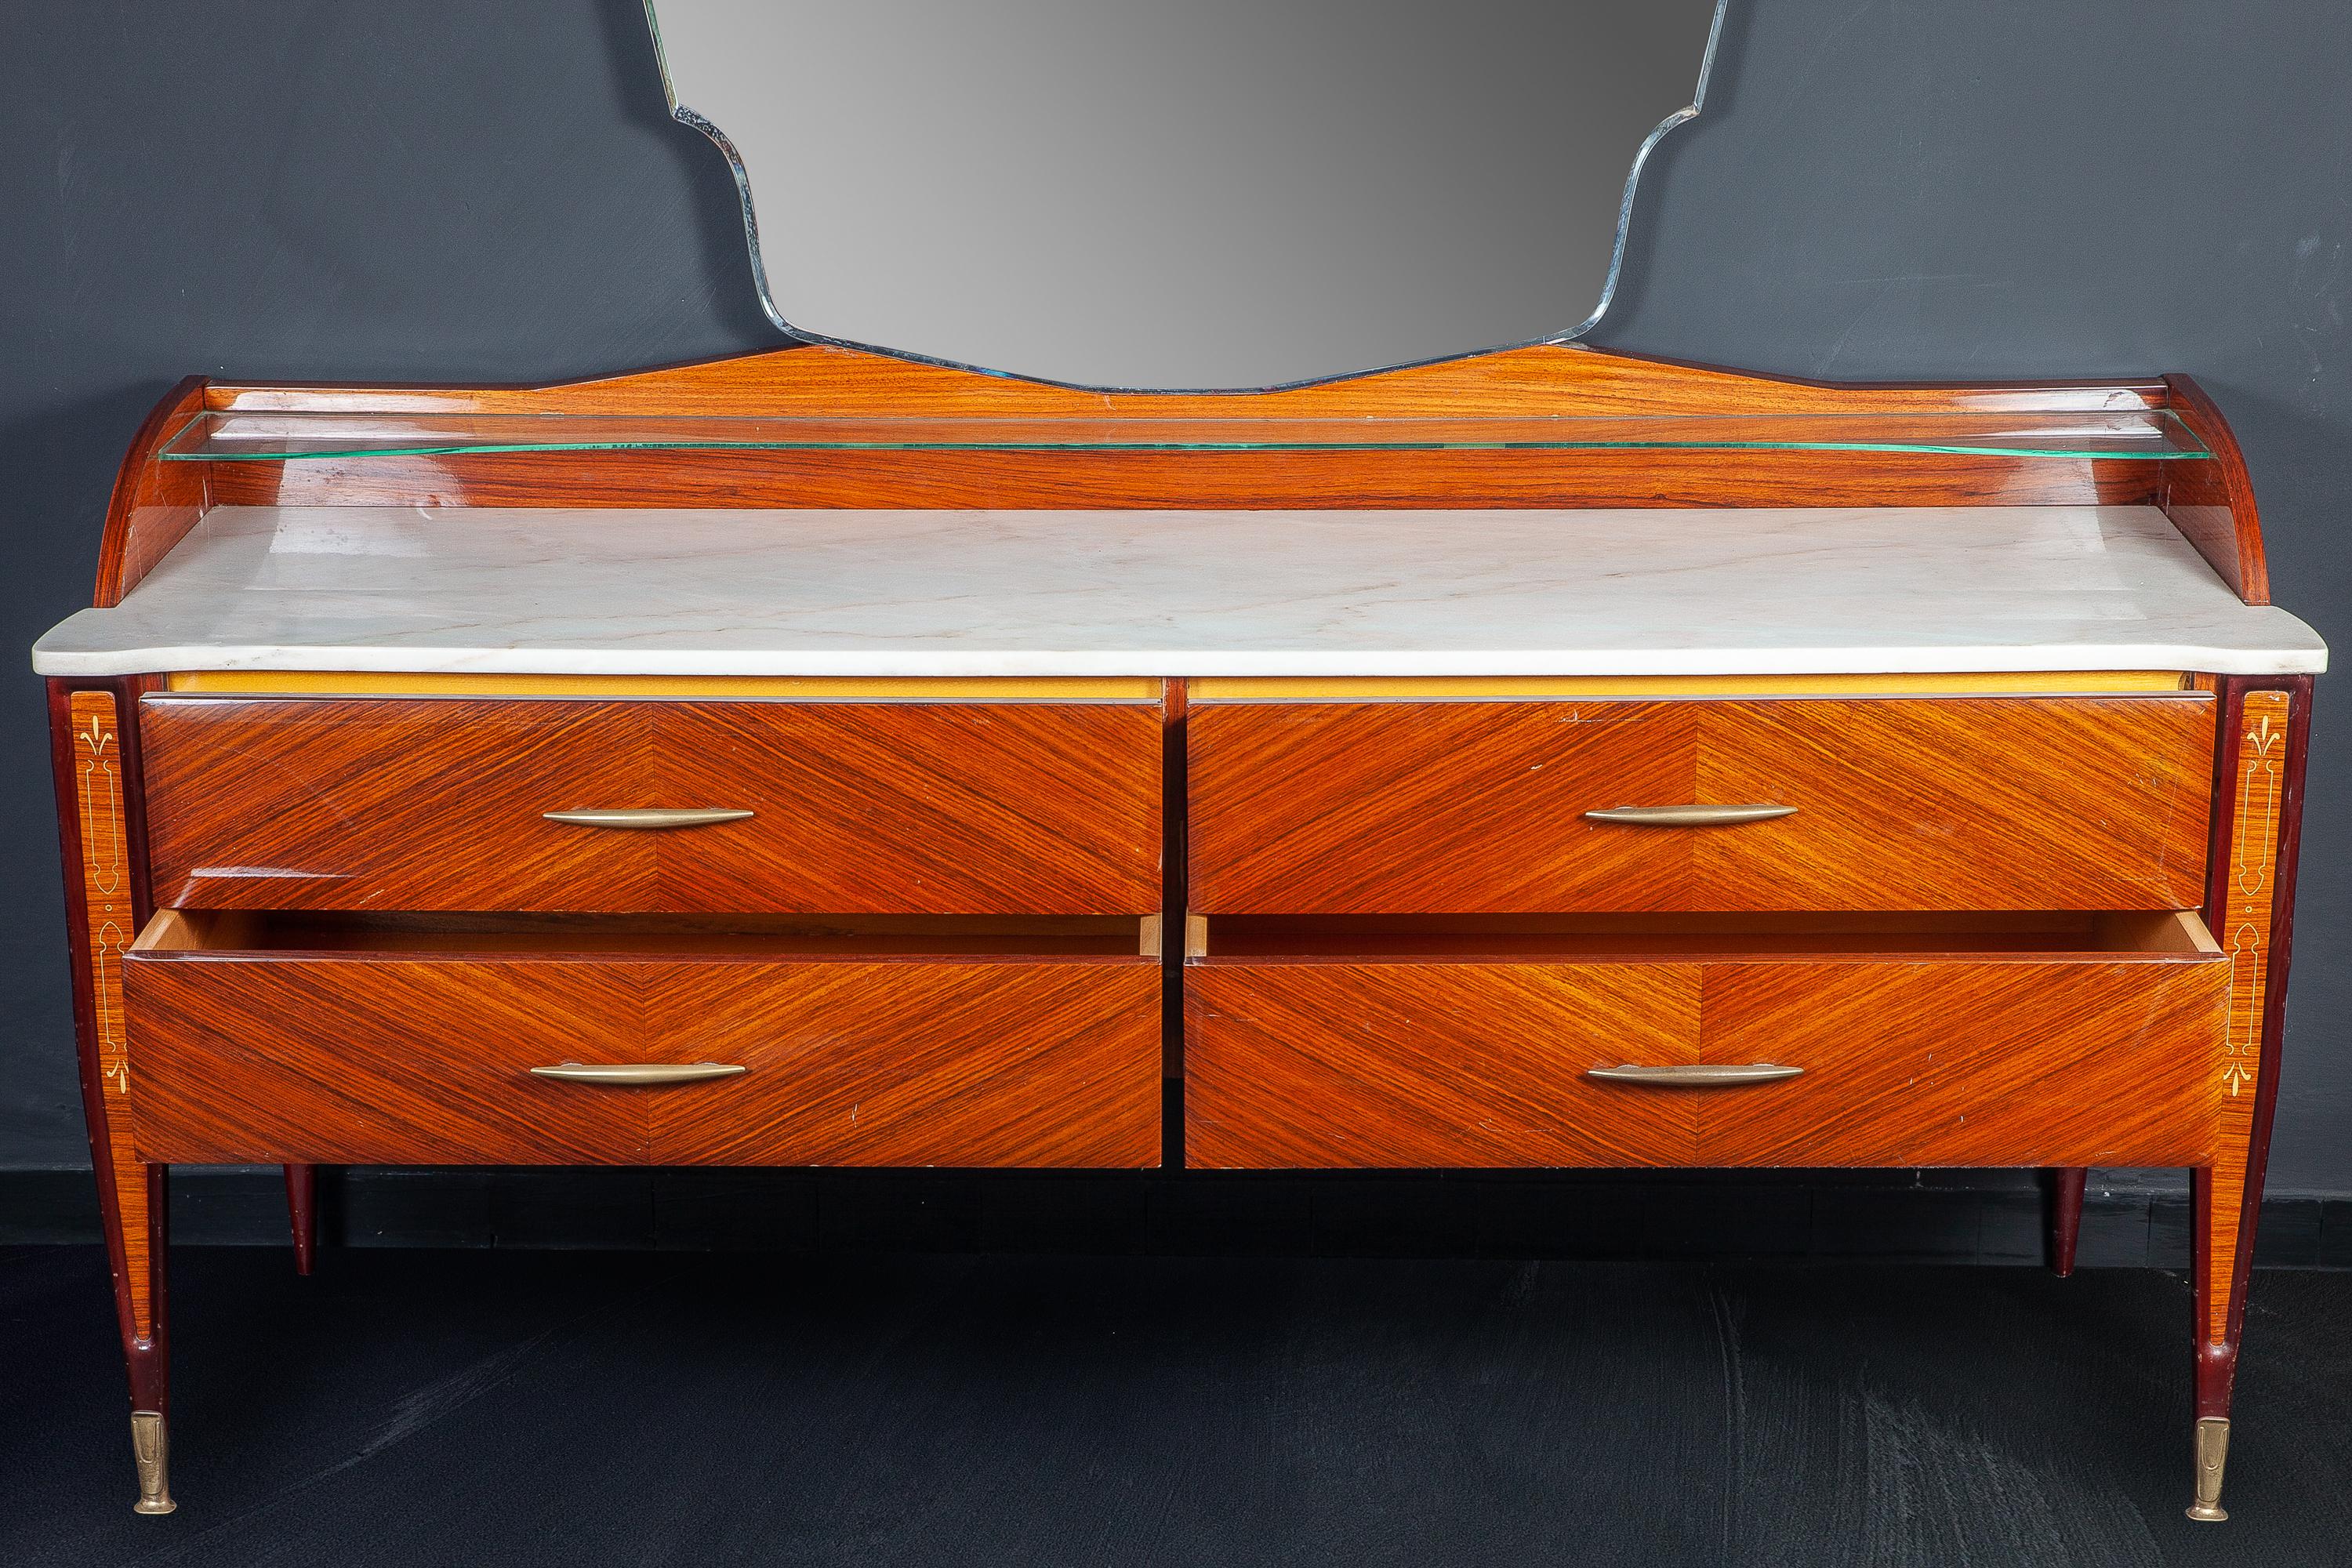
<point x="2212" y="503"/>
<point x="155" y="503"/>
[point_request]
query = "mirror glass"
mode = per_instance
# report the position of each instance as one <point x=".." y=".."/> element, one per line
<point x="1184" y="193"/>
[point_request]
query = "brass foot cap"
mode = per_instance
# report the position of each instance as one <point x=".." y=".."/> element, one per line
<point x="150" y="1445"/>
<point x="2212" y="1456"/>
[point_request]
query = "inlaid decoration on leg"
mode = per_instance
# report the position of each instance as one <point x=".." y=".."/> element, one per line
<point x="95" y="780"/>
<point x="2249" y="905"/>
<point x="109" y="925"/>
<point x="2241" y="922"/>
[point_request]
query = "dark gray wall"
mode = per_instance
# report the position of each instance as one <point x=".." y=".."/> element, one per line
<point x="1893" y="188"/>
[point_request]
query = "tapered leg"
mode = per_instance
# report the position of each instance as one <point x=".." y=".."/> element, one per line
<point x="104" y="907"/>
<point x="2249" y="905"/>
<point x="2066" y="1183"/>
<point x="302" y="1209"/>
<point x="146" y="1348"/>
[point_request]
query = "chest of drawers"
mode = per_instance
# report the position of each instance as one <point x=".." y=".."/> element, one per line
<point x="1262" y="780"/>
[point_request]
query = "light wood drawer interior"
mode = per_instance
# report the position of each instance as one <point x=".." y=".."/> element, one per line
<point x="1990" y="1040"/>
<point x="846" y="808"/>
<point x="1453" y="807"/>
<point x="406" y="1040"/>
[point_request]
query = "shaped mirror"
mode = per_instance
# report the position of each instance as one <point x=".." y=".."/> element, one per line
<point x="1185" y="194"/>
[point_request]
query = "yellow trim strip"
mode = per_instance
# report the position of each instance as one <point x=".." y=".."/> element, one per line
<point x="2055" y="682"/>
<point x="361" y="683"/>
<point x="1146" y="689"/>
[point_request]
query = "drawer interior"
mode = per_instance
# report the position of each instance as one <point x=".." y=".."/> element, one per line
<point x="775" y="937"/>
<point x="1575" y="938"/>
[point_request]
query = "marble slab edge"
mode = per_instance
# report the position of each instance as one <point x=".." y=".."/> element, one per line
<point x="1179" y="664"/>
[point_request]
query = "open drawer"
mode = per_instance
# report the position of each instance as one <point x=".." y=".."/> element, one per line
<point x="522" y="1040"/>
<point x="2068" y="1040"/>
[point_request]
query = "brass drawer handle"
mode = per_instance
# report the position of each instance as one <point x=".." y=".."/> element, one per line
<point x="638" y="1074"/>
<point x="1696" y="1075"/>
<point x="649" y="817"/>
<point x="1688" y="815"/>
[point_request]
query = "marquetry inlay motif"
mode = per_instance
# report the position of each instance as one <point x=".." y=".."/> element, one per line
<point x="2254" y="853"/>
<point x="96" y="744"/>
<point x="105" y="874"/>
<point x="2243" y="919"/>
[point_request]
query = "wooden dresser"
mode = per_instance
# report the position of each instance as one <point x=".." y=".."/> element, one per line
<point x="1548" y="758"/>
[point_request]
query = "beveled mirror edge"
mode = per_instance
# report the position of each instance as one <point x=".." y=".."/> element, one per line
<point x="1658" y="134"/>
<point x="688" y="116"/>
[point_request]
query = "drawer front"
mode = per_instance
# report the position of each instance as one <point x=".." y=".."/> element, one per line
<point x="2104" y="1059"/>
<point x="2025" y="803"/>
<point x="412" y="1060"/>
<point x="2011" y="1061"/>
<point x="438" y="803"/>
<point x="1348" y="1066"/>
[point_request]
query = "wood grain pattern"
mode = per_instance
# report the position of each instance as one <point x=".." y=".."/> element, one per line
<point x="155" y="504"/>
<point x="2257" y="832"/>
<point x="108" y="917"/>
<point x="1538" y="381"/>
<point x="2024" y="1061"/>
<point x="1909" y="1059"/>
<point x="409" y="1059"/>
<point x="1350" y="1067"/>
<point x="436" y="804"/>
<point x="820" y="380"/>
<point x="1464" y="808"/>
<point x="94" y="763"/>
<point x="2212" y="503"/>
<point x="1033" y="1064"/>
<point x="1451" y="479"/>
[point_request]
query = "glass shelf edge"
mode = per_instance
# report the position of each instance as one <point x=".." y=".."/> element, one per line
<point x="2163" y="437"/>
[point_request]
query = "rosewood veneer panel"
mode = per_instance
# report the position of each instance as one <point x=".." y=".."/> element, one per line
<point x="405" y="1059"/>
<point x="1922" y="804"/>
<point x="436" y="804"/>
<point x="1367" y="1065"/>
<point x="1005" y="1063"/>
<point x="1909" y="1059"/>
<point x="379" y="1060"/>
<point x="1959" y="1061"/>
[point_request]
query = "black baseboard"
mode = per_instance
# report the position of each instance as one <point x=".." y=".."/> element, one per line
<point x="1914" y="1217"/>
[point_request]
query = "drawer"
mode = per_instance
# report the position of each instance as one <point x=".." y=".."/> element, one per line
<point x="2082" y="1040"/>
<point x="2001" y="803"/>
<point x="268" y="1037"/>
<point x="855" y="807"/>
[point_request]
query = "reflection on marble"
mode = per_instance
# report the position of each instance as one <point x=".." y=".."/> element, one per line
<point x="1656" y="592"/>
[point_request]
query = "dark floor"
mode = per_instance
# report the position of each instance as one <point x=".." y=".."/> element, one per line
<point x="487" y="1408"/>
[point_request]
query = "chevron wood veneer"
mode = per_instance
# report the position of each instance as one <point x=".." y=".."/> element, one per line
<point x="1907" y="1059"/>
<point x="427" y="1060"/>
<point x="2043" y="802"/>
<point x="436" y="804"/>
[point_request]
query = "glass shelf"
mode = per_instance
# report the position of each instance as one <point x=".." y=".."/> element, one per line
<point x="267" y="437"/>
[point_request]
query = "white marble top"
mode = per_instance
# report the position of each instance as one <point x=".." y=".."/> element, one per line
<point x="1656" y="592"/>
